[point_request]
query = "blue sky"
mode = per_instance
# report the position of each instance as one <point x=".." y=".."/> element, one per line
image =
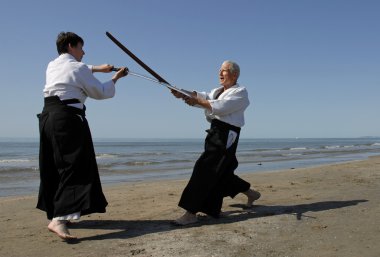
<point x="312" y="67"/>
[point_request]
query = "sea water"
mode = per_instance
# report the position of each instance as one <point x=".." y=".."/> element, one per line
<point x="130" y="160"/>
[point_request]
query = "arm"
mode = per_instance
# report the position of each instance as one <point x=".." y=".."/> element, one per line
<point x="102" y="68"/>
<point x="193" y="100"/>
<point x="96" y="89"/>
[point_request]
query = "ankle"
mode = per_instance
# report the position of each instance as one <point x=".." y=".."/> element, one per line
<point x="248" y="192"/>
<point x="189" y="214"/>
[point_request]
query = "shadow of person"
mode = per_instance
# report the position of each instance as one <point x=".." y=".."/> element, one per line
<point x="124" y="229"/>
<point x="300" y="209"/>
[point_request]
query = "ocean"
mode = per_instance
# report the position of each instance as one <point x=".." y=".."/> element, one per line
<point x="131" y="160"/>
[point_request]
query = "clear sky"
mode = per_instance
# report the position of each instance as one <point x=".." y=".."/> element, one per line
<point x="312" y="67"/>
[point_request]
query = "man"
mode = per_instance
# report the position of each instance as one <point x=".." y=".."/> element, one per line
<point x="70" y="184"/>
<point x="213" y="176"/>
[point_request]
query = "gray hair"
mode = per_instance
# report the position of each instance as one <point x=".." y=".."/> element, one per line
<point x="234" y="67"/>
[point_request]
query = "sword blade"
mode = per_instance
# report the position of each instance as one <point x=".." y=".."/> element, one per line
<point x="145" y="77"/>
<point x="134" y="57"/>
<point x="156" y="81"/>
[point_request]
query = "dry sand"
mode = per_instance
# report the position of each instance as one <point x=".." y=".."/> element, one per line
<point x="331" y="210"/>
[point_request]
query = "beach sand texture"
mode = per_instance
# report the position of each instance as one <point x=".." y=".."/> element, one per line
<point x="326" y="211"/>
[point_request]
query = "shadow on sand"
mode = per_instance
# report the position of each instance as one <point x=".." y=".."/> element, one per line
<point x="124" y="229"/>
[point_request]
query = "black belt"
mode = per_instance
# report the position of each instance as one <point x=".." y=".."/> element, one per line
<point x="55" y="99"/>
<point x="225" y="125"/>
<point x="54" y="103"/>
<point x="71" y="101"/>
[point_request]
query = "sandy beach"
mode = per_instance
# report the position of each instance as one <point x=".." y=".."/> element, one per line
<point x="331" y="210"/>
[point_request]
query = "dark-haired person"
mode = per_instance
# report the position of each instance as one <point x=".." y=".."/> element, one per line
<point x="213" y="175"/>
<point x="69" y="178"/>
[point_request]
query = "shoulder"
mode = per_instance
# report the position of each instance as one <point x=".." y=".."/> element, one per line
<point x="238" y="89"/>
<point x="70" y="60"/>
<point x="80" y="67"/>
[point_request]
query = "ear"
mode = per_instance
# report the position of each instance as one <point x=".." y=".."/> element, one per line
<point x="70" y="48"/>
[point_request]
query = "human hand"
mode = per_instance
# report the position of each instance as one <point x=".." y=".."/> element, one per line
<point x="121" y="72"/>
<point x="191" y="100"/>
<point x="177" y="94"/>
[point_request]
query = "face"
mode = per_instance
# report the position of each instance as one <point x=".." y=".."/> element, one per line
<point x="226" y="78"/>
<point x="77" y="51"/>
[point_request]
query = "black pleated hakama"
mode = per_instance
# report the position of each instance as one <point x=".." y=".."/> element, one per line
<point x="69" y="174"/>
<point x="213" y="175"/>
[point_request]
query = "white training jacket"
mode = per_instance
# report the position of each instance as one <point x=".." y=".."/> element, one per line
<point x="67" y="78"/>
<point x="229" y="106"/>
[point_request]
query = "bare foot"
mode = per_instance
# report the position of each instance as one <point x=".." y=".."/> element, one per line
<point x="186" y="219"/>
<point x="252" y="196"/>
<point x="59" y="227"/>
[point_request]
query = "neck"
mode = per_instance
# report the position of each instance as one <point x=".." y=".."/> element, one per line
<point x="225" y="87"/>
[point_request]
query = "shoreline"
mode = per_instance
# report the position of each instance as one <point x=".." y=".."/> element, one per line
<point x="328" y="210"/>
<point x="31" y="185"/>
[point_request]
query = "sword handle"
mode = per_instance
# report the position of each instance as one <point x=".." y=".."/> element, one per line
<point x="117" y="69"/>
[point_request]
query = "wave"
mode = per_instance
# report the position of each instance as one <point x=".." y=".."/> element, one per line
<point x="140" y="163"/>
<point x="332" y="147"/>
<point x="15" y="170"/>
<point x="106" y="156"/>
<point x="18" y="164"/>
<point x="14" y="160"/>
<point x="176" y="154"/>
<point x="130" y="155"/>
<point x="146" y="162"/>
<point x="297" y="148"/>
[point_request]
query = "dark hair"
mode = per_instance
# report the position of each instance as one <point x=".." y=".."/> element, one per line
<point x="66" y="38"/>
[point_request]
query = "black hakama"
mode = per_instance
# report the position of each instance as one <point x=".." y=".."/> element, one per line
<point x="69" y="174"/>
<point x="213" y="175"/>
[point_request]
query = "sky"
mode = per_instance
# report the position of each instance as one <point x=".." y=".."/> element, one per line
<point x="311" y="67"/>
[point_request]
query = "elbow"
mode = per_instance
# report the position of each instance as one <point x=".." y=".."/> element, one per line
<point x="112" y="94"/>
<point x="109" y="93"/>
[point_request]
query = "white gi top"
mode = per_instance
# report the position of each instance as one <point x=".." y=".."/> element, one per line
<point x="67" y="78"/>
<point x="230" y="105"/>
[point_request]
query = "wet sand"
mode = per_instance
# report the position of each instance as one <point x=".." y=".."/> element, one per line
<point x="331" y="210"/>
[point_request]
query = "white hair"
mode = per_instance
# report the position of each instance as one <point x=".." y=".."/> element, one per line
<point x="234" y="67"/>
